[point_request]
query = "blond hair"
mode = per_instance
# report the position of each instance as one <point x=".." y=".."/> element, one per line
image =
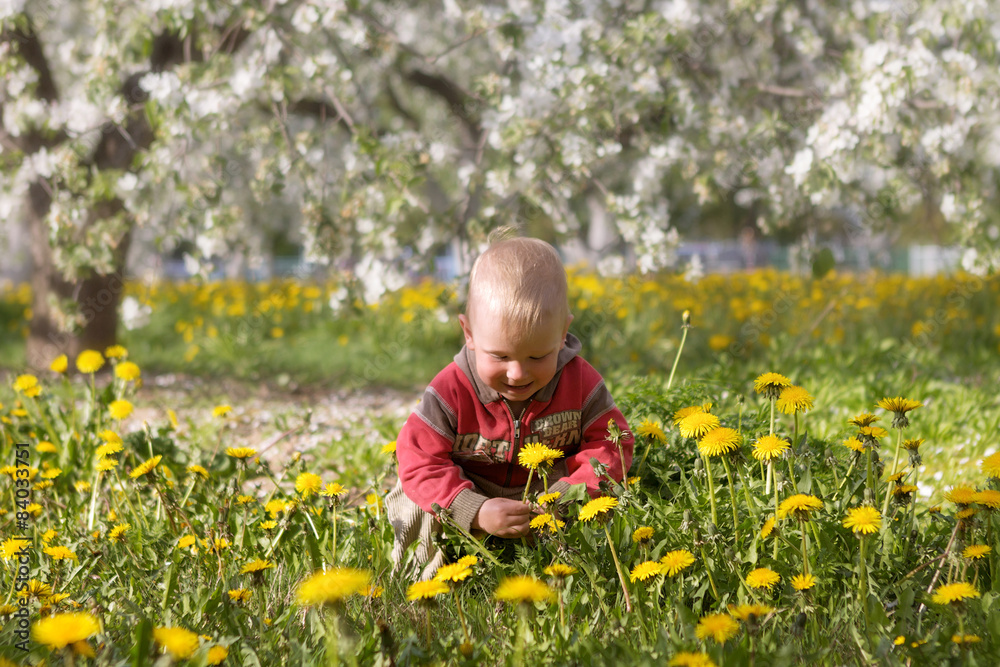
<point x="522" y="282"/>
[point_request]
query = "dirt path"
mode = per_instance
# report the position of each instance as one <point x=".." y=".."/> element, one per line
<point x="271" y="418"/>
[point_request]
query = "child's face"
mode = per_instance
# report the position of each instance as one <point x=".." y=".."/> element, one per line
<point x="514" y="369"/>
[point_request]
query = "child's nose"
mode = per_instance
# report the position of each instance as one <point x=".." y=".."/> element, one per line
<point x="515" y="371"/>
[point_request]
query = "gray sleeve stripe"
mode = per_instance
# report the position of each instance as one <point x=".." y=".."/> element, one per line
<point x="442" y="403"/>
<point x="435" y="413"/>
<point x="597" y="405"/>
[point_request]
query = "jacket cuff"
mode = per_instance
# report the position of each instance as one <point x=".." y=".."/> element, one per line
<point x="465" y="507"/>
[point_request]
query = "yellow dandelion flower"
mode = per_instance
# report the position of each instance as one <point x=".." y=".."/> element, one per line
<point x="523" y="589"/>
<point x="51" y="473"/>
<point x="104" y="465"/>
<point x="646" y="570"/>
<point x="255" y="566"/>
<point x="89" y="361"/>
<point x="244" y="499"/>
<point x="967" y="513"/>
<point x="597" y="507"/>
<point x="762" y="577"/>
<point x="547" y="521"/>
<point x="912" y="444"/>
<point x="800" y="505"/>
<point x="268" y="525"/>
<point x="186" y="541"/>
<point x="864" y="419"/>
<point x="676" y="561"/>
<point x="60" y="364"/>
<point x="219" y="544"/>
<point x="12" y="546"/>
<point x="768" y="447"/>
<point x="116" y="352"/>
<point x="216" y="655"/>
<point x="61" y="630"/>
<point x="794" y="399"/>
<point x="872" y="433"/>
<point x="652" y="430"/>
<point x="991" y="465"/>
<point x="145" y="467"/>
<point x="559" y="570"/>
<point x="719" y="627"/>
<point x="308" y="483"/>
<point x="81" y="485"/>
<point x="974" y="551"/>
<point x="899" y="640"/>
<point x="389" y="448"/>
<point x="46" y="447"/>
<point x="698" y="424"/>
<point x="536" y="454"/>
<point x="767" y="528"/>
<point x="128" y="371"/>
<point x="34" y="509"/>
<point x="689" y="659"/>
<point x="221" y="410"/>
<point x="23" y="384"/>
<point x="332" y="586"/>
<point x="426" y="590"/>
<point x="239" y="594"/>
<point x="899" y="407"/>
<point x="690" y="410"/>
<point x="954" y="593"/>
<point x="966" y="639"/>
<point x="746" y="612"/>
<point x="547" y="498"/>
<point x="803" y="582"/>
<point x="107" y="449"/>
<point x="180" y="643"/>
<point x="276" y="506"/>
<point x="241" y="452"/>
<point x="988" y="498"/>
<point x="334" y="490"/>
<point x="771" y="384"/>
<point x="453" y="572"/>
<point x="854" y="445"/>
<point x="642" y="534"/>
<point x="961" y="495"/>
<point x="35" y="589"/>
<point x="196" y="469"/>
<point x="119" y="409"/>
<point x="117" y="534"/>
<point x="719" y="441"/>
<point x="863" y="520"/>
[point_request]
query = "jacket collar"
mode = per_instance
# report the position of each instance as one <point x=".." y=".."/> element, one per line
<point x="466" y="360"/>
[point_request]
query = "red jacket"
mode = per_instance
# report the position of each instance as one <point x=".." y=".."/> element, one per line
<point x="460" y="446"/>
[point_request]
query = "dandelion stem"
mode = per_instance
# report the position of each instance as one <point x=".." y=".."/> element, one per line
<point x="93" y="500"/>
<point x="847" y="475"/>
<point x="805" y="548"/>
<point x="334" y="558"/>
<point x="618" y="567"/>
<point x="751" y="503"/>
<point x="732" y="497"/>
<point x="527" y="485"/>
<point x="771" y="431"/>
<point x="863" y="577"/>
<point x="708" y="571"/>
<point x="711" y="489"/>
<point x="522" y="622"/>
<point x="777" y="500"/>
<point x="871" y="495"/>
<point x="649" y="443"/>
<point x="892" y="471"/>
<point x="461" y="616"/>
<point x="677" y="358"/>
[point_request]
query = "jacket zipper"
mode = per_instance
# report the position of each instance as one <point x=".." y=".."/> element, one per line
<point x="517" y="440"/>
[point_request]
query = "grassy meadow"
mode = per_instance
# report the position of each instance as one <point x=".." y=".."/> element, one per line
<point x="815" y="480"/>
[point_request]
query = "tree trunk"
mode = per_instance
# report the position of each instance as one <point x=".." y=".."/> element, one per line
<point x="92" y="303"/>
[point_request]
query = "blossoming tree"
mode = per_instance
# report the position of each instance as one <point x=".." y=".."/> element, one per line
<point x="381" y="128"/>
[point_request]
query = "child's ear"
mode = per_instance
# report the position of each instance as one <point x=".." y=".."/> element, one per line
<point x="467" y="330"/>
<point x="569" y="318"/>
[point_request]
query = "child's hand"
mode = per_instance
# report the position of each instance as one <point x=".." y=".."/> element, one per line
<point x="503" y="517"/>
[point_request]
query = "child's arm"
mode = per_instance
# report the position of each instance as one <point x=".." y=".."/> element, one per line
<point x="595" y="443"/>
<point x="429" y="476"/>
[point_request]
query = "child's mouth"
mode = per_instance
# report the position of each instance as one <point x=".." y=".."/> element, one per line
<point x="517" y="389"/>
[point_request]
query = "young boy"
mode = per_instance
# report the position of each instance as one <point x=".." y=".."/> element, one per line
<point x="518" y="380"/>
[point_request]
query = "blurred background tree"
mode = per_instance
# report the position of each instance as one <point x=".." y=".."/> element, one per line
<point x="373" y="133"/>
